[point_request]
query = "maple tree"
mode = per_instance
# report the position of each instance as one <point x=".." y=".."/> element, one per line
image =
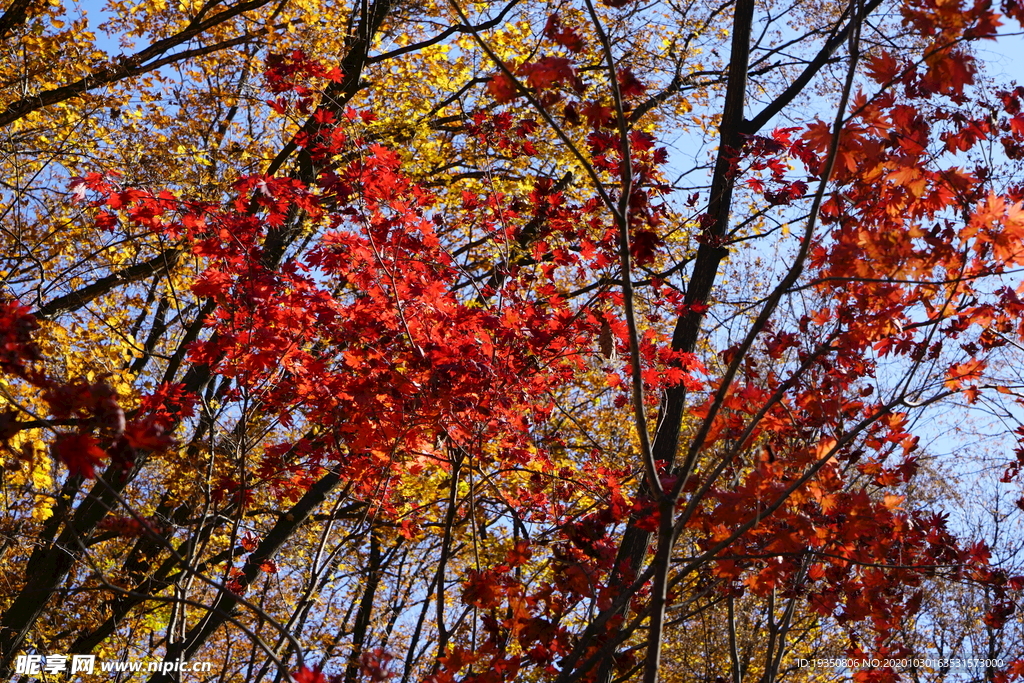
<point x="386" y="341"/>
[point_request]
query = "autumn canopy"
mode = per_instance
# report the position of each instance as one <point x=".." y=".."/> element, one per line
<point x="445" y="341"/>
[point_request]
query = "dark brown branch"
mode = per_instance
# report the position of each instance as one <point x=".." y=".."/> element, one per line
<point x="823" y="57"/>
<point x="15" y="16"/>
<point x="268" y="547"/>
<point x="373" y="575"/>
<point x="445" y="34"/>
<point x="633" y="547"/>
<point x="135" y="65"/>
<point x="158" y="265"/>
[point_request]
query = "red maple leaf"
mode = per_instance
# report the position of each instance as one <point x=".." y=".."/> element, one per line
<point x="548" y="72"/>
<point x="307" y="675"/>
<point x="564" y="36"/>
<point x="597" y="115"/>
<point x="883" y="67"/>
<point x="629" y="86"/>
<point x="481" y="589"/>
<point x="502" y="88"/>
<point x="80" y="452"/>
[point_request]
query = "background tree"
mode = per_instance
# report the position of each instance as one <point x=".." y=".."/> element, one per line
<point x="385" y="339"/>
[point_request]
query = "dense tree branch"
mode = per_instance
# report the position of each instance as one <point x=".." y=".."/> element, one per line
<point x="135" y="65"/>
